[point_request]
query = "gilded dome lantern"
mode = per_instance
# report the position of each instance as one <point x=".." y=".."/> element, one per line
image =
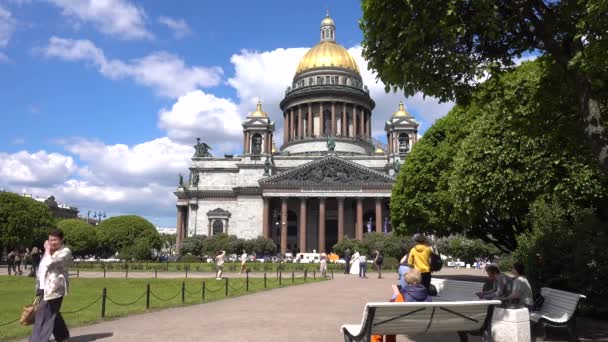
<point x="327" y="98"/>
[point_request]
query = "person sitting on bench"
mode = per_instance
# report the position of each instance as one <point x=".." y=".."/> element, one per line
<point x="413" y="291"/>
<point x="501" y="284"/>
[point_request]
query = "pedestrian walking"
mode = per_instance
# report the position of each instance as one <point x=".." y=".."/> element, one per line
<point x="18" y="258"/>
<point x="323" y="265"/>
<point x="219" y="263"/>
<point x="378" y="261"/>
<point x="347" y="260"/>
<point x="243" y="263"/>
<point x="52" y="284"/>
<point x="35" y="261"/>
<point x="362" y="266"/>
<point x="11" y="262"/>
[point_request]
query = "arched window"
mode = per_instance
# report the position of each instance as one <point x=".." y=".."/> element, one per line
<point x="218" y="227"/>
<point x="404" y="143"/>
<point x="256" y="144"/>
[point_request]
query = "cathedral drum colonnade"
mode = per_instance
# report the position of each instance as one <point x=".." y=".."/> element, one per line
<point x="330" y="178"/>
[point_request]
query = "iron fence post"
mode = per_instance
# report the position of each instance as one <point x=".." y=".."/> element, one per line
<point x="203" y="291"/>
<point x="183" y="292"/>
<point x="264" y="279"/>
<point x="104" y="294"/>
<point x="226" y="287"/>
<point x="293" y="278"/>
<point x="247" y="282"/>
<point x="148" y="296"/>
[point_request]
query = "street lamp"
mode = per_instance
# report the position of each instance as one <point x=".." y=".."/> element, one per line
<point x="98" y="215"/>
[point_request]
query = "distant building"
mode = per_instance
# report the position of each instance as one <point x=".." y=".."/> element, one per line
<point x="165" y="230"/>
<point x="59" y="210"/>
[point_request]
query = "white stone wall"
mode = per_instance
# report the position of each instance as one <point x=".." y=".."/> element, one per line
<point x="245" y="221"/>
<point x="341" y="146"/>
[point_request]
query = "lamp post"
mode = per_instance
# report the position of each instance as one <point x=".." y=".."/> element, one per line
<point x="98" y="216"/>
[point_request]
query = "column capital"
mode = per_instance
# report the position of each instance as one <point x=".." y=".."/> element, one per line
<point x="341" y="199"/>
<point x="379" y="199"/>
<point x="303" y="200"/>
<point x="284" y="199"/>
<point x="322" y="199"/>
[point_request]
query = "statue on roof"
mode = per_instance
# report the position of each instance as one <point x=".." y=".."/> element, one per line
<point x="267" y="165"/>
<point x="201" y="149"/>
<point x="331" y="145"/>
<point x="181" y="180"/>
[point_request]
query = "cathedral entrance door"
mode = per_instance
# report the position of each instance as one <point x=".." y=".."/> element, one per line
<point x="331" y="234"/>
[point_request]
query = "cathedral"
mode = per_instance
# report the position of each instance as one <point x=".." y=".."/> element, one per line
<point x="328" y="180"/>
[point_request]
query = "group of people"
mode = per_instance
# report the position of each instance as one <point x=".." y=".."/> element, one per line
<point x="512" y="292"/>
<point x="220" y="258"/>
<point x="18" y="261"/>
<point x="357" y="263"/>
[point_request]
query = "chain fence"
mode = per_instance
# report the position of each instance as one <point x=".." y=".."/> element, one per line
<point x="246" y="282"/>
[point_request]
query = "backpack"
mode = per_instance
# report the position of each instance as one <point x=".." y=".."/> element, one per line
<point x="380" y="259"/>
<point x="436" y="262"/>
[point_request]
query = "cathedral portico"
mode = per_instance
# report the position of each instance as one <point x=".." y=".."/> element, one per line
<point x="330" y="178"/>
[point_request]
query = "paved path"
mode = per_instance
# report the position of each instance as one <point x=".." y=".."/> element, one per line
<point x="312" y="312"/>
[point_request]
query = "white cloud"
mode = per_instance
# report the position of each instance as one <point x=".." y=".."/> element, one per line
<point x="118" y="18"/>
<point x="179" y="27"/>
<point x="7" y="26"/>
<point x="4" y="58"/>
<point x="196" y="114"/>
<point x="162" y="71"/>
<point x="39" y="168"/>
<point x="156" y="161"/>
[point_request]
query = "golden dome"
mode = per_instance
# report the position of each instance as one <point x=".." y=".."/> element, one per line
<point x="327" y="54"/>
<point x="327" y="21"/>
<point x="379" y="150"/>
<point x="258" y="111"/>
<point x="402" y="111"/>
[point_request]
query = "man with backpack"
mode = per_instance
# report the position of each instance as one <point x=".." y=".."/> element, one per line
<point x="378" y="260"/>
<point x="424" y="260"/>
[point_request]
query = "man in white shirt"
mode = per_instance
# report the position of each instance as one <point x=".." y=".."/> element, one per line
<point x="362" y="266"/>
<point x="219" y="260"/>
<point x="52" y="285"/>
<point x="243" y="262"/>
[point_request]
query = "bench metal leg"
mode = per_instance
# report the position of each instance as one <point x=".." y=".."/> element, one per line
<point x="572" y="330"/>
<point x="463" y="336"/>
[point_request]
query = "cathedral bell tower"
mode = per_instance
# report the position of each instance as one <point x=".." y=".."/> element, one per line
<point x="257" y="134"/>
<point x="401" y="135"/>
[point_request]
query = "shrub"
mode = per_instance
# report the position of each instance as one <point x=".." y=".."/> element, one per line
<point x="188" y="258"/>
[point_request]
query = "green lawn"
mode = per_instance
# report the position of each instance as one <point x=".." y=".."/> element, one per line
<point x="201" y="267"/>
<point x="18" y="291"/>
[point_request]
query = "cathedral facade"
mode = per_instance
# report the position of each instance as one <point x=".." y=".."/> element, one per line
<point x="330" y="178"/>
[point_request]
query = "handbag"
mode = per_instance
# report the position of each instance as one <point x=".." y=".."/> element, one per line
<point x="28" y="315"/>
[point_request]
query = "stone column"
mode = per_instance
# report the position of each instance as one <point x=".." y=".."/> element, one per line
<point x="303" y="225"/>
<point x="321" y="224"/>
<point x="362" y="125"/>
<point x="179" y="229"/>
<point x="355" y="121"/>
<point x="333" y="118"/>
<point x="266" y="218"/>
<point x="344" y="132"/>
<point x="379" y="215"/>
<point x="389" y="146"/>
<point x="369" y="124"/>
<point x="321" y="120"/>
<point x="283" y="226"/>
<point x="285" y="127"/>
<point x="247" y="142"/>
<point x="300" y="123"/>
<point x="310" y="127"/>
<point x="359" y="227"/>
<point x="244" y="142"/>
<point x="340" y="218"/>
<point x="291" y="130"/>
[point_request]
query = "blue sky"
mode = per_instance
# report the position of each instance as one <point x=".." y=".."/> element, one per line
<point x="102" y="100"/>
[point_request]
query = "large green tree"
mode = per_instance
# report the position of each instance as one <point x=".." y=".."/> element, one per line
<point x="23" y="221"/>
<point x="420" y="200"/>
<point x="79" y="235"/>
<point x="119" y="232"/>
<point x="522" y="147"/>
<point x="444" y="47"/>
<point x="478" y="170"/>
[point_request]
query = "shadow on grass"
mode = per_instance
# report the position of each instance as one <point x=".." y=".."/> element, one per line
<point x="91" y="337"/>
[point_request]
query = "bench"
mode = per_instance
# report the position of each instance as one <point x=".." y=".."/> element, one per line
<point x="423" y="318"/>
<point x="558" y="310"/>
<point x="456" y="290"/>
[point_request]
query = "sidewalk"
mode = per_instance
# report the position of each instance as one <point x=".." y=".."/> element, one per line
<point x="312" y="312"/>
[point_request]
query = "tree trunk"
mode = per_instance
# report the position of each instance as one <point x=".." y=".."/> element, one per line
<point x="591" y="114"/>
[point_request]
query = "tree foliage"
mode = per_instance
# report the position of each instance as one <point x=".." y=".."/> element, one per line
<point x="193" y="245"/>
<point x="566" y="249"/>
<point x="120" y="232"/>
<point x="465" y="249"/>
<point x="79" y="235"/>
<point x="477" y="170"/>
<point x="24" y="222"/>
<point x="390" y="245"/>
<point x="444" y="47"/>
